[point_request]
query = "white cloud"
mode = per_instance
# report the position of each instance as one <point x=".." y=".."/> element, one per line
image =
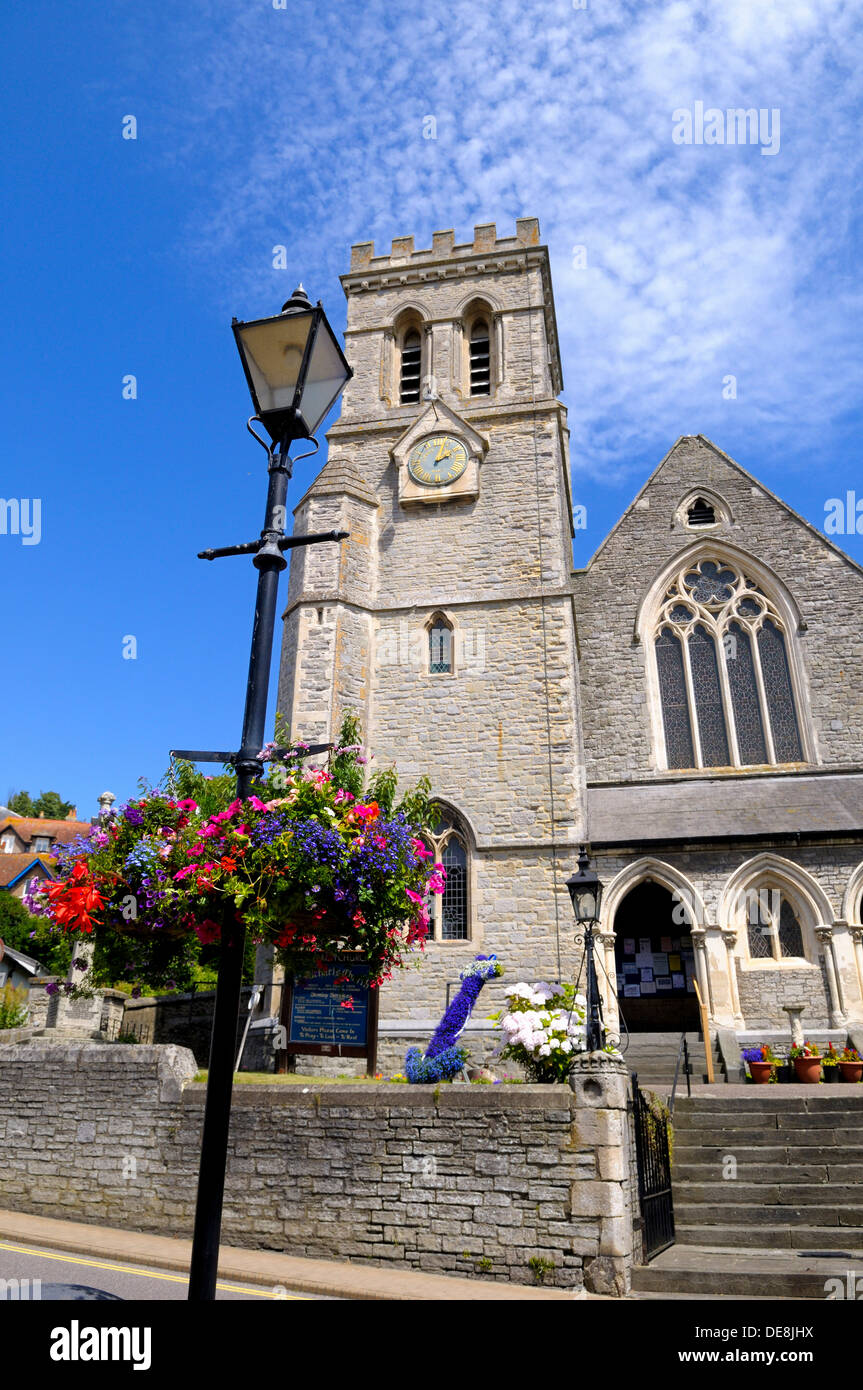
<point x="702" y="261"/>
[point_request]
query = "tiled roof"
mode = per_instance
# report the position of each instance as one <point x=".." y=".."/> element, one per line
<point x="26" y="827"/>
<point x="13" y="865"/>
<point x="726" y="808"/>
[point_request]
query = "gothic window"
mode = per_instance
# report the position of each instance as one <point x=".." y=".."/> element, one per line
<point x="411" y="367"/>
<point x="480" y="359"/>
<point x="449" y="910"/>
<point x="723" y="671"/>
<point x="440" y="647"/>
<point x="773" y="929"/>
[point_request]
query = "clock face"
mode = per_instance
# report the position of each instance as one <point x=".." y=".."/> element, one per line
<point x="437" y="461"/>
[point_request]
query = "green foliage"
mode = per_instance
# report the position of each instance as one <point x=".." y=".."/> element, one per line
<point x="382" y="789"/>
<point x="345" y="768"/>
<point x="16" y="923"/>
<point x="540" y="1267"/>
<point x="51" y="806"/>
<point x="22" y="803"/>
<point x="213" y="793"/>
<point x="13" y="1007"/>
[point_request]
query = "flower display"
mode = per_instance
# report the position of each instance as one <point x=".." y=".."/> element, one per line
<point x="306" y="865"/>
<point x="543" y="1028"/>
<point x="443" y="1056"/>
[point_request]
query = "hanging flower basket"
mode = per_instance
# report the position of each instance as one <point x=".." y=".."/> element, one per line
<point x="307" y="866"/>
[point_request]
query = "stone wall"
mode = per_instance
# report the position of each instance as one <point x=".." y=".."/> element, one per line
<point x="824" y="583"/>
<point x="764" y="992"/>
<point x="455" y="1179"/>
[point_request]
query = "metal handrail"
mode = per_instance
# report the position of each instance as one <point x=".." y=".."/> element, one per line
<point x="682" y="1050"/>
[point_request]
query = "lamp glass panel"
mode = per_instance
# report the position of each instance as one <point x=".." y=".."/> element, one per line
<point x="324" y="379"/>
<point x="273" y="351"/>
<point x="586" y="905"/>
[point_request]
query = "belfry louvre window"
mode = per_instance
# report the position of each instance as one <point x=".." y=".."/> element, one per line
<point x="480" y="359"/>
<point x="701" y="513"/>
<point x="722" y="664"/>
<point x="411" y="367"/>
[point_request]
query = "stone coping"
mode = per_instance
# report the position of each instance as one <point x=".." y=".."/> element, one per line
<point x="384" y="1095"/>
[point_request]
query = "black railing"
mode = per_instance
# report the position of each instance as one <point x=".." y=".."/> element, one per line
<point x="682" y="1052"/>
<point x="653" y="1153"/>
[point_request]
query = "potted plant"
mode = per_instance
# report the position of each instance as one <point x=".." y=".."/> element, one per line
<point x="308" y="863"/>
<point x="830" y="1063"/>
<point x="807" y="1062"/>
<point x="850" y="1064"/>
<point x="762" y="1063"/>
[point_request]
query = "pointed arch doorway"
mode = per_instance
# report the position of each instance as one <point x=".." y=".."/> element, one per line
<point x="655" y="962"/>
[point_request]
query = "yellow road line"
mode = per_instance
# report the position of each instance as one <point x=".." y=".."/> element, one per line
<point x="143" y="1274"/>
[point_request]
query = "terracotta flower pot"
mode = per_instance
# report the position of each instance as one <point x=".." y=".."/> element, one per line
<point x="760" y="1072"/>
<point x="851" y="1071"/>
<point x="808" y="1069"/>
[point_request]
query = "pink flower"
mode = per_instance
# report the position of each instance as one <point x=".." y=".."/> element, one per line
<point x="414" y="897"/>
<point x="188" y="806"/>
<point x="184" y="873"/>
<point x="420" y="850"/>
<point x="257" y="803"/>
<point x="437" y="882"/>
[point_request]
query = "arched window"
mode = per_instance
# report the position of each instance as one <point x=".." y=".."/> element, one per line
<point x="479" y="348"/>
<point x="449" y="910"/>
<point x="411" y="367"/>
<point x="722" y="666"/>
<point x="773" y="930"/>
<point x="440" y="646"/>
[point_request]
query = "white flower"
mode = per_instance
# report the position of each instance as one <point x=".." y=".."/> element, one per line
<point x="545" y="1051"/>
<point x="553" y="1043"/>
<point x="566" y="1046"/>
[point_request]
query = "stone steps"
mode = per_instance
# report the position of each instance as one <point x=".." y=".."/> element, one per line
<point x="653" y="1056"/>
<point x="689" y="1271"/>
<point x="776" y="1237"/>
<point x="796" y="1199"/>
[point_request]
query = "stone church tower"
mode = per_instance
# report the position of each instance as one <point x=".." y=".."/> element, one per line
<point x="688" y="702"/>
<point x="446" y="621"/>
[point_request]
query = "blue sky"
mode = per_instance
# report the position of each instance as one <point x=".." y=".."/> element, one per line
<point x="303" y="126"/>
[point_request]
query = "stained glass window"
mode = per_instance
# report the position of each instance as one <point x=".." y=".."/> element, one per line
<point x="454" y="898"/>
<point x="449" y="910"/>
<point x="744" y="695"/>
<point x="440" y="649"/>
<point x="675" y="710"/>
<point x="780" y="700"/>
<point x="790" y="935"/>
<point x="724" y="674"/>
<point x="708" y="698"/>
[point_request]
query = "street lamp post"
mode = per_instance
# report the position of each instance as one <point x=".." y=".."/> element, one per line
<point x="295" y="371"/>
<point x="585" y="891"/>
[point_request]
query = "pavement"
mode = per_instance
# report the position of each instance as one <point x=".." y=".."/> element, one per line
<point x="267" y="1268"/>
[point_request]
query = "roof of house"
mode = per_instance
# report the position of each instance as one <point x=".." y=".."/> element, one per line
<point x="715" y="808"/>
<point x="6" y="814"/>
<point x="26" y="962"/>
<point x="27" y="827"/>
<point x="13" y="866"/>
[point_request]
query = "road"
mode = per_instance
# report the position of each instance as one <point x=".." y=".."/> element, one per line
<point x="133" y="1282"/>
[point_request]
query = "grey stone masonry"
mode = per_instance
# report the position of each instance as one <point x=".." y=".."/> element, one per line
<point x="454" y="1179"/>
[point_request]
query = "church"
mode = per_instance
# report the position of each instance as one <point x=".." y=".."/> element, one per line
<point x="689" y="704"/>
